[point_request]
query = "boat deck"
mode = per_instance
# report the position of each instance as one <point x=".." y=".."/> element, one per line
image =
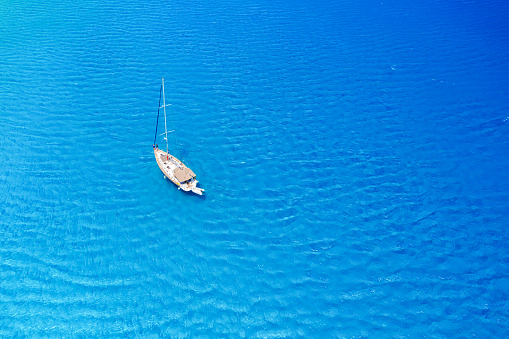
<point x="173" y="168"/>
<point x="168" y="164"/>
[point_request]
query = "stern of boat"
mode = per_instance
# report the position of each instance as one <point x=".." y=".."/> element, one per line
<point x="197" y="190"/>
<point x="193" y="187"/>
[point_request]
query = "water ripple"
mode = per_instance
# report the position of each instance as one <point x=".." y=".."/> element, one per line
<point x="354" y="170"/>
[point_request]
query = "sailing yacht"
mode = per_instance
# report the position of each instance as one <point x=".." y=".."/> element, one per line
<point x="173" y="168"/>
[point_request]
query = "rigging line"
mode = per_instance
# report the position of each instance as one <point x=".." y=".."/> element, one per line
<point x="174" y="134"/>
<point x="158" y="107"/>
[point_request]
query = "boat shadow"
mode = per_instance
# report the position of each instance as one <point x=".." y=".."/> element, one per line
<point x="189" y="193"/>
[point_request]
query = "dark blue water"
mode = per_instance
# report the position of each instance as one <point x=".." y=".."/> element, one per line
<point x="354" y="157"/>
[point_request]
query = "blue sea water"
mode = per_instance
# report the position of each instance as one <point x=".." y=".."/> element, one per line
<point x="354" y="157"/>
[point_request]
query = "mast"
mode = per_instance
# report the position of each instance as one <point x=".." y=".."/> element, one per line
<point x="157" y="121"/>
<point x="165" y="128"/>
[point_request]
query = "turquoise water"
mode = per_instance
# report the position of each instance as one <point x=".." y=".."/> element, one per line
<point x="354" y="159"/>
